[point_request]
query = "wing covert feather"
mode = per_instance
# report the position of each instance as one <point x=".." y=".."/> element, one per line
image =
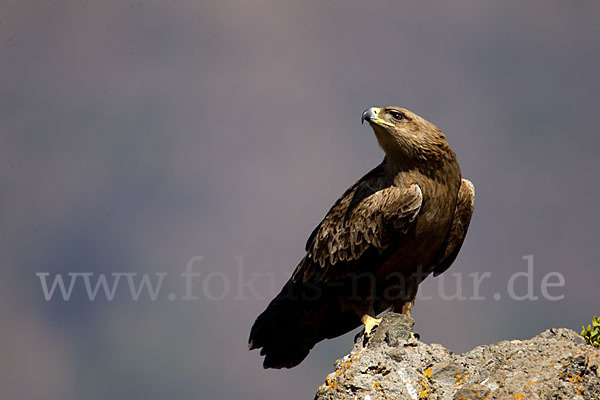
<point x="460" y="224"/>
<point x="362" y="218"/>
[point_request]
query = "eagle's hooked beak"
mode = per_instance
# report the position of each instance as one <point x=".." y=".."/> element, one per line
<point x="371" y="115"/>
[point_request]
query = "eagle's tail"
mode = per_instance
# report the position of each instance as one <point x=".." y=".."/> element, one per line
<point x="299" y="317"/>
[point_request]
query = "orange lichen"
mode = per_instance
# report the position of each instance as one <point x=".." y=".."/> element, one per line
<point x="379" y="391"/>
<point x="332" y="383"/>
<point x="461" y="379"/>
<point x="427" y="379"/>
<point x="575" y="380"/>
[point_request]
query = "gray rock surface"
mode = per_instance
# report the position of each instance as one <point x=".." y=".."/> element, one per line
<point x="556" y="364"/>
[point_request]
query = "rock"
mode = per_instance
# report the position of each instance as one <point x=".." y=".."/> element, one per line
<point x="556" y="364"/>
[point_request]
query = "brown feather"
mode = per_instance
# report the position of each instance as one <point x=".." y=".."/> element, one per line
<point x="460" y="224"/>
<point x="369" y="215"/>
<point x="405" y="216"/>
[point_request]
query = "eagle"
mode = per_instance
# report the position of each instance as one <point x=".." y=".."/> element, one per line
<point x="404" y="220"/>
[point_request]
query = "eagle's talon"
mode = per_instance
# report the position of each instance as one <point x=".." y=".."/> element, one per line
<point x="374" y="329"/>
<point x="365" y="340"/>
<point x="371" y="325"/>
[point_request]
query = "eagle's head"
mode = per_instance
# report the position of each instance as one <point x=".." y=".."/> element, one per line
<point x="404" y="136"/>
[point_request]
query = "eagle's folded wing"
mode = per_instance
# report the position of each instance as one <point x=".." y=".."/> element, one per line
<point x="460" y="223"/>
<point x="363" y="218"/>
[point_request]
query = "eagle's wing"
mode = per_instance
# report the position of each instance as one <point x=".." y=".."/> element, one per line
<point x="363" y="218"/>
<point x="460" y="223"/>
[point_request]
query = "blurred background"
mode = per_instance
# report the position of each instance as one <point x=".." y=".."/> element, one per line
<point x="137" y="135"/>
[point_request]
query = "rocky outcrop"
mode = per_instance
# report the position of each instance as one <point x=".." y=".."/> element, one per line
<point x="556" y="364"/>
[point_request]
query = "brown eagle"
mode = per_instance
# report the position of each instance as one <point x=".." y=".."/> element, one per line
<point x="405" y="219"/>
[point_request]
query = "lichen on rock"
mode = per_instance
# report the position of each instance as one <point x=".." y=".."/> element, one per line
<point x="556" y="364"/>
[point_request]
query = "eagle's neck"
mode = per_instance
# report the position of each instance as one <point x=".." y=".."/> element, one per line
<point x="433" y="166"/>
<point x="395" y="164"/>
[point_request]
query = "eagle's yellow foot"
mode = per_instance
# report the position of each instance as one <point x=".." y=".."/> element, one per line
<point x="370" y="325"/>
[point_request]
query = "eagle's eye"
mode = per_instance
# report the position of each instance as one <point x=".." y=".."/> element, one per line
<point x="397" y="115"/>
